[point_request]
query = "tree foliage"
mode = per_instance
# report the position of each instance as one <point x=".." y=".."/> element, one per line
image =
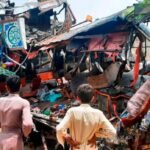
<point x="145" y="2"/>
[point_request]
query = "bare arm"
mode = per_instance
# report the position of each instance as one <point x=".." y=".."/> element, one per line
<point x="27" y="123"/>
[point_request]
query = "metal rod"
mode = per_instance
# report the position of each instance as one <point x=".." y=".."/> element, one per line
<point x="142" y="32"/>
<point x="14" y="61"/>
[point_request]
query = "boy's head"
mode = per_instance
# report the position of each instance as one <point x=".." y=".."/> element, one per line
<point x="13" y="84"/>
<point x="85" y="93"/>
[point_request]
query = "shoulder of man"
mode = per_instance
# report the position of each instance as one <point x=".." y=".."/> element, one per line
<point x="71" y="109"/>
<point x="3" y="98"/>
<point x="97" y="110"/>
<point x="24" y="101"/>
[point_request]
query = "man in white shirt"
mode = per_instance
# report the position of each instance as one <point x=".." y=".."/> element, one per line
<point x="84" y="123"/>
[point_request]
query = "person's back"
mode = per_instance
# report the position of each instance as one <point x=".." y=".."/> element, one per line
<point x="84" y="122"/>
<point x="11" y="108"/>
<point x="15" y="117"/>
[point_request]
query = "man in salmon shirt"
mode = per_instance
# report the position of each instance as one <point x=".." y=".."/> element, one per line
<point x="15" y="117"/>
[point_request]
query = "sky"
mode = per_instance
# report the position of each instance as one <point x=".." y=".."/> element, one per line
<point x="95" y="8"/>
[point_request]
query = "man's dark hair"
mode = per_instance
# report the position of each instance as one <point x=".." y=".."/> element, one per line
<point x="13" y="83"/>
<point x="85" y="93"/>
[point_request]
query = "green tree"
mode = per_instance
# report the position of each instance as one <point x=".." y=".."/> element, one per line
<point x="145" y="2"/>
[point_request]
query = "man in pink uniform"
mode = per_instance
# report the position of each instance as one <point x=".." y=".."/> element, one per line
<point x="15" y="117"/>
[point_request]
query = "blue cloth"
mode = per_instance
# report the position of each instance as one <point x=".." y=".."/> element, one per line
<point x="61" y="106"/>
<point x="51" y="96"/>
<point x="125" y="114"/>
